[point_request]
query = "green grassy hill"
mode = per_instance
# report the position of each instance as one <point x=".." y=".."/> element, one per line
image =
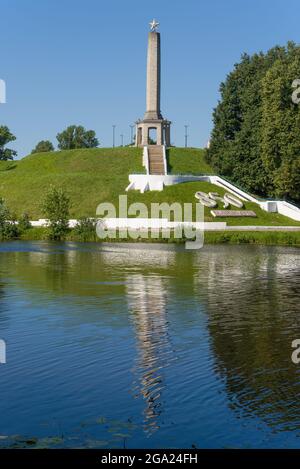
<point x="185" y="192"/>
<point x="92" y="176"/>
<point x="187" y="161"/>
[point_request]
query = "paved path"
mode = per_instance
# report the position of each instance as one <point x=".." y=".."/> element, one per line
<point x="260" y="228"/>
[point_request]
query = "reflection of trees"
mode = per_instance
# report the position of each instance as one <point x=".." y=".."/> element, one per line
<point x="77" y="273"/>
<point x="3" y="309"/>
<point x="79" y="269"/>
<point x="102" y="272"/>
<point x="4" y="296"/>
<point x="147" y="302"/>
<point x="251" y="296"/>
<point x="253" y="316"/>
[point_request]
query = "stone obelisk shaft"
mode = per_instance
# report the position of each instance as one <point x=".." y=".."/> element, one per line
<point x="153" y="77"/>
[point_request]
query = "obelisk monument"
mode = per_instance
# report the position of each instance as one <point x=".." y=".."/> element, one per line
<point x="153" y="77"/>
<point x="153" y="119"/>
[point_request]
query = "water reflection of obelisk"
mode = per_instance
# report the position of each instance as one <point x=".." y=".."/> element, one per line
<point x="147" y="303"/>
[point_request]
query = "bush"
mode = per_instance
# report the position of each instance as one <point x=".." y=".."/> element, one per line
<point x="5" y="137"/>
<point x="24" y="222"/>
<point x="8" y="227"/>
<point x="56" y="207"/>
<point x="42" y="146"/>
<point x="86" y="229"/>
<point x="76" y="136"/>
<point x="10" y="231"/>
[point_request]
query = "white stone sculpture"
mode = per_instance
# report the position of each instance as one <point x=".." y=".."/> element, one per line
<point x="211" y="199"/>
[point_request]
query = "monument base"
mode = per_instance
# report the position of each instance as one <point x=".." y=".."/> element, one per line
<point x="143" y="128"/>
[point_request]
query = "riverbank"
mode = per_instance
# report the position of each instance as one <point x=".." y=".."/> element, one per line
<point x="93" y="176"/>
<point x="280" y="238"/>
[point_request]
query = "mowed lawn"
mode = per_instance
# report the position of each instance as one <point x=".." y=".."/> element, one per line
<point x="185" y="192"/>
<point x="89" y="176"/>
<point x="92" y="176"/>
<point x="187" y="161"/>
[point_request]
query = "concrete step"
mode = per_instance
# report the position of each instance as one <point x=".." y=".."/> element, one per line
<point x="158" y="173"/>
<point x="156" y="159"/>
<point x="156" y="163"/>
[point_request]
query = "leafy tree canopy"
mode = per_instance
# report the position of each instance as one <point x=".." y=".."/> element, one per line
<point x="76" y="136"/>
<point x="5" y="137"/>
<point x="255" y="139"/>
<point x="43" y="145"/>
<point x="56" y="208"/>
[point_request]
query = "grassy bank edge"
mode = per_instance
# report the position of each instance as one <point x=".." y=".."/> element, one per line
<point x="213" y="237"/>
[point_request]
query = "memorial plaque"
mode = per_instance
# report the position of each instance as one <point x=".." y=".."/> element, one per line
<point x="233" y="213"/>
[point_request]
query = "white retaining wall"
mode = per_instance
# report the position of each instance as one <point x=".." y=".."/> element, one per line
<point x="144" y="223"/>
<point x="163" y="223"/>
<point x="43" y="222"/>
<point x="146" y="159"/>
<point x="144" y="182"/>
<point x="159" y="223"/>
<point x="289" y="210"/>
<point x="165" y="160"/>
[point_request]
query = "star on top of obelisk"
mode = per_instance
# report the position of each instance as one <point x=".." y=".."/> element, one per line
<point x="153" y="25"/>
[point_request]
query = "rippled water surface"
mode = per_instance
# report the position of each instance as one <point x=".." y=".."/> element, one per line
<point x="149" y="346"/>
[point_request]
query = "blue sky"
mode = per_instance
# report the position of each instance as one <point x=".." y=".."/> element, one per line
<point x="84" y="62"/>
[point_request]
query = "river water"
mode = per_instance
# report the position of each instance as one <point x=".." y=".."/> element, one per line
<point x="134" y="345"/>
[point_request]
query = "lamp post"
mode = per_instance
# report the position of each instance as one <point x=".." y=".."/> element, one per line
<point x="114" y="128"/>
<point x="131" y="133"/>
<point x="185" y="136"/>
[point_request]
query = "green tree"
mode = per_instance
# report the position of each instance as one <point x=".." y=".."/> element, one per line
<point x="280" y="137"/>
<point x="76" y="136"/>
<point x="8" y="227"/>
<point x="4" y="215"/>
<point x="5" y="137"/>
<point x="24" y="222"/>
<point x="287" y="180"/>
<point x="56" y="208"/>
<point x="254" y="119"/>
<point x="85" y="229"/>
<point x="42" y="146"/>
